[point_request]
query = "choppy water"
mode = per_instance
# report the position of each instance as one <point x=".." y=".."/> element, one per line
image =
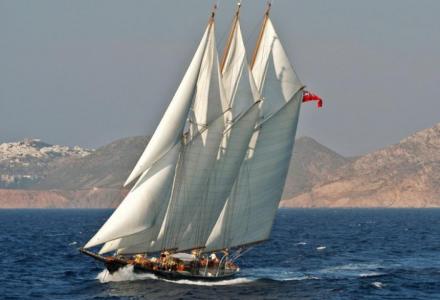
<point x="313" y="254"/>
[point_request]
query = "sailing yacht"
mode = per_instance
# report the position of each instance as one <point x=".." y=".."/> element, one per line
<point x="208" y="184"/>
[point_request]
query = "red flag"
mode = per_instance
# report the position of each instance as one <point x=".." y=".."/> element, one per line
<point x="308" y="96"/>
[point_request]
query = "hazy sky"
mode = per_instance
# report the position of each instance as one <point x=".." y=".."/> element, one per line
<point x="89" y="72"/>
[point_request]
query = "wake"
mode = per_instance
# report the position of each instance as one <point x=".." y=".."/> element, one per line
<point x="127" y="274"/>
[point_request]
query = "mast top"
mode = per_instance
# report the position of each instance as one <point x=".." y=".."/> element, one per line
<point x="268" y="7"/>
<point x="213" y="11"/>
<point x="237" y="12"/>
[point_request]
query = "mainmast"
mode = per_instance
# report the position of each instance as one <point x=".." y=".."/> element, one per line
<point x="260" y="36"/>
<point x="230" y="37"/>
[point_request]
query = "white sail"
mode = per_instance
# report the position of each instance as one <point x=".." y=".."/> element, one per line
<point x="209" y="99"/>
<point x="219" y="180"/>
<point x="144" y="205"/>
<point x="171" y="126"/>
<point x="205" y="82"/>
<point x="198" y="156"/>
<point x="249" y="212"/>
<point x="271" y="51"/>
<point x="190" y="186"/>
<point x="242" y="95"/>
<point x="240" y="89"/>
<point x="146" y="202"/>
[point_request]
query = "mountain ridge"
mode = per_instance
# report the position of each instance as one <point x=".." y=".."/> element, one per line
<point x="406" y="174"/>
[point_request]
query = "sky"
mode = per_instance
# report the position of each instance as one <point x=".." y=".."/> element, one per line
<point x="90" y="72"/>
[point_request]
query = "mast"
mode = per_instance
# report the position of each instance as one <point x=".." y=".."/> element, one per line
<point x="230" y="37"/>
<point x="212" y="17"/>
<point x="260" y="35"/>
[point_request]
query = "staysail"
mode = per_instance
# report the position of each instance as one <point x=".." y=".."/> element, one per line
<point x="157" y="165"/>
<point x="249" y="212"/>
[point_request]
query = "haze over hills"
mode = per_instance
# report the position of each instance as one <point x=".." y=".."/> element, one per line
<point x="406" y="174"/>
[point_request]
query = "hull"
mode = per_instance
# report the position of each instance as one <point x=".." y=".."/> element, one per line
<point x="113" y="264"/>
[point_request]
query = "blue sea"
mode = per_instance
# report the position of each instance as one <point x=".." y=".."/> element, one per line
<point x="312" y="254"/>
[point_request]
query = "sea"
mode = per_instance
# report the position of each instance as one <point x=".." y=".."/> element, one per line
<point x="312" y="254"/>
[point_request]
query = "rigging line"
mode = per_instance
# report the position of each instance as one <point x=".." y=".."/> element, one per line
<point x="241" y="253"/>
<point x="271" y="116"/>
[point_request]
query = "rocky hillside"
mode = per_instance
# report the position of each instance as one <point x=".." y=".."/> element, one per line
<point x="107" y="167"/>
<point x="312" y="164"/>
<point x="24" y="163"/>
<point x="406" y="174"/>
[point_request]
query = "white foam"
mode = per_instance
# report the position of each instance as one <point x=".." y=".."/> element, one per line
<point x="299" y="278"/>
<point x="73" y="243"/>
<point x="321" y="248"/>
<point x="123" y="274"/>
<point x="377" y="284"/>
<point x="301" y="243"/>
<point x="234" y="281"/>
<point x="371" y="274"/>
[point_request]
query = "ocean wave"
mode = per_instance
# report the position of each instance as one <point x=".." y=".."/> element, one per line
<point x="353" y="267"/>
<point x="353" y="270"/>
<point x="278" y="274"/>
<point x="371" y="274"/>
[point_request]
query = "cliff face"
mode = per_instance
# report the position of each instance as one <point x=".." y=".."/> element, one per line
<point x="406" y="174"/>
<point x="403" y="175"/>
